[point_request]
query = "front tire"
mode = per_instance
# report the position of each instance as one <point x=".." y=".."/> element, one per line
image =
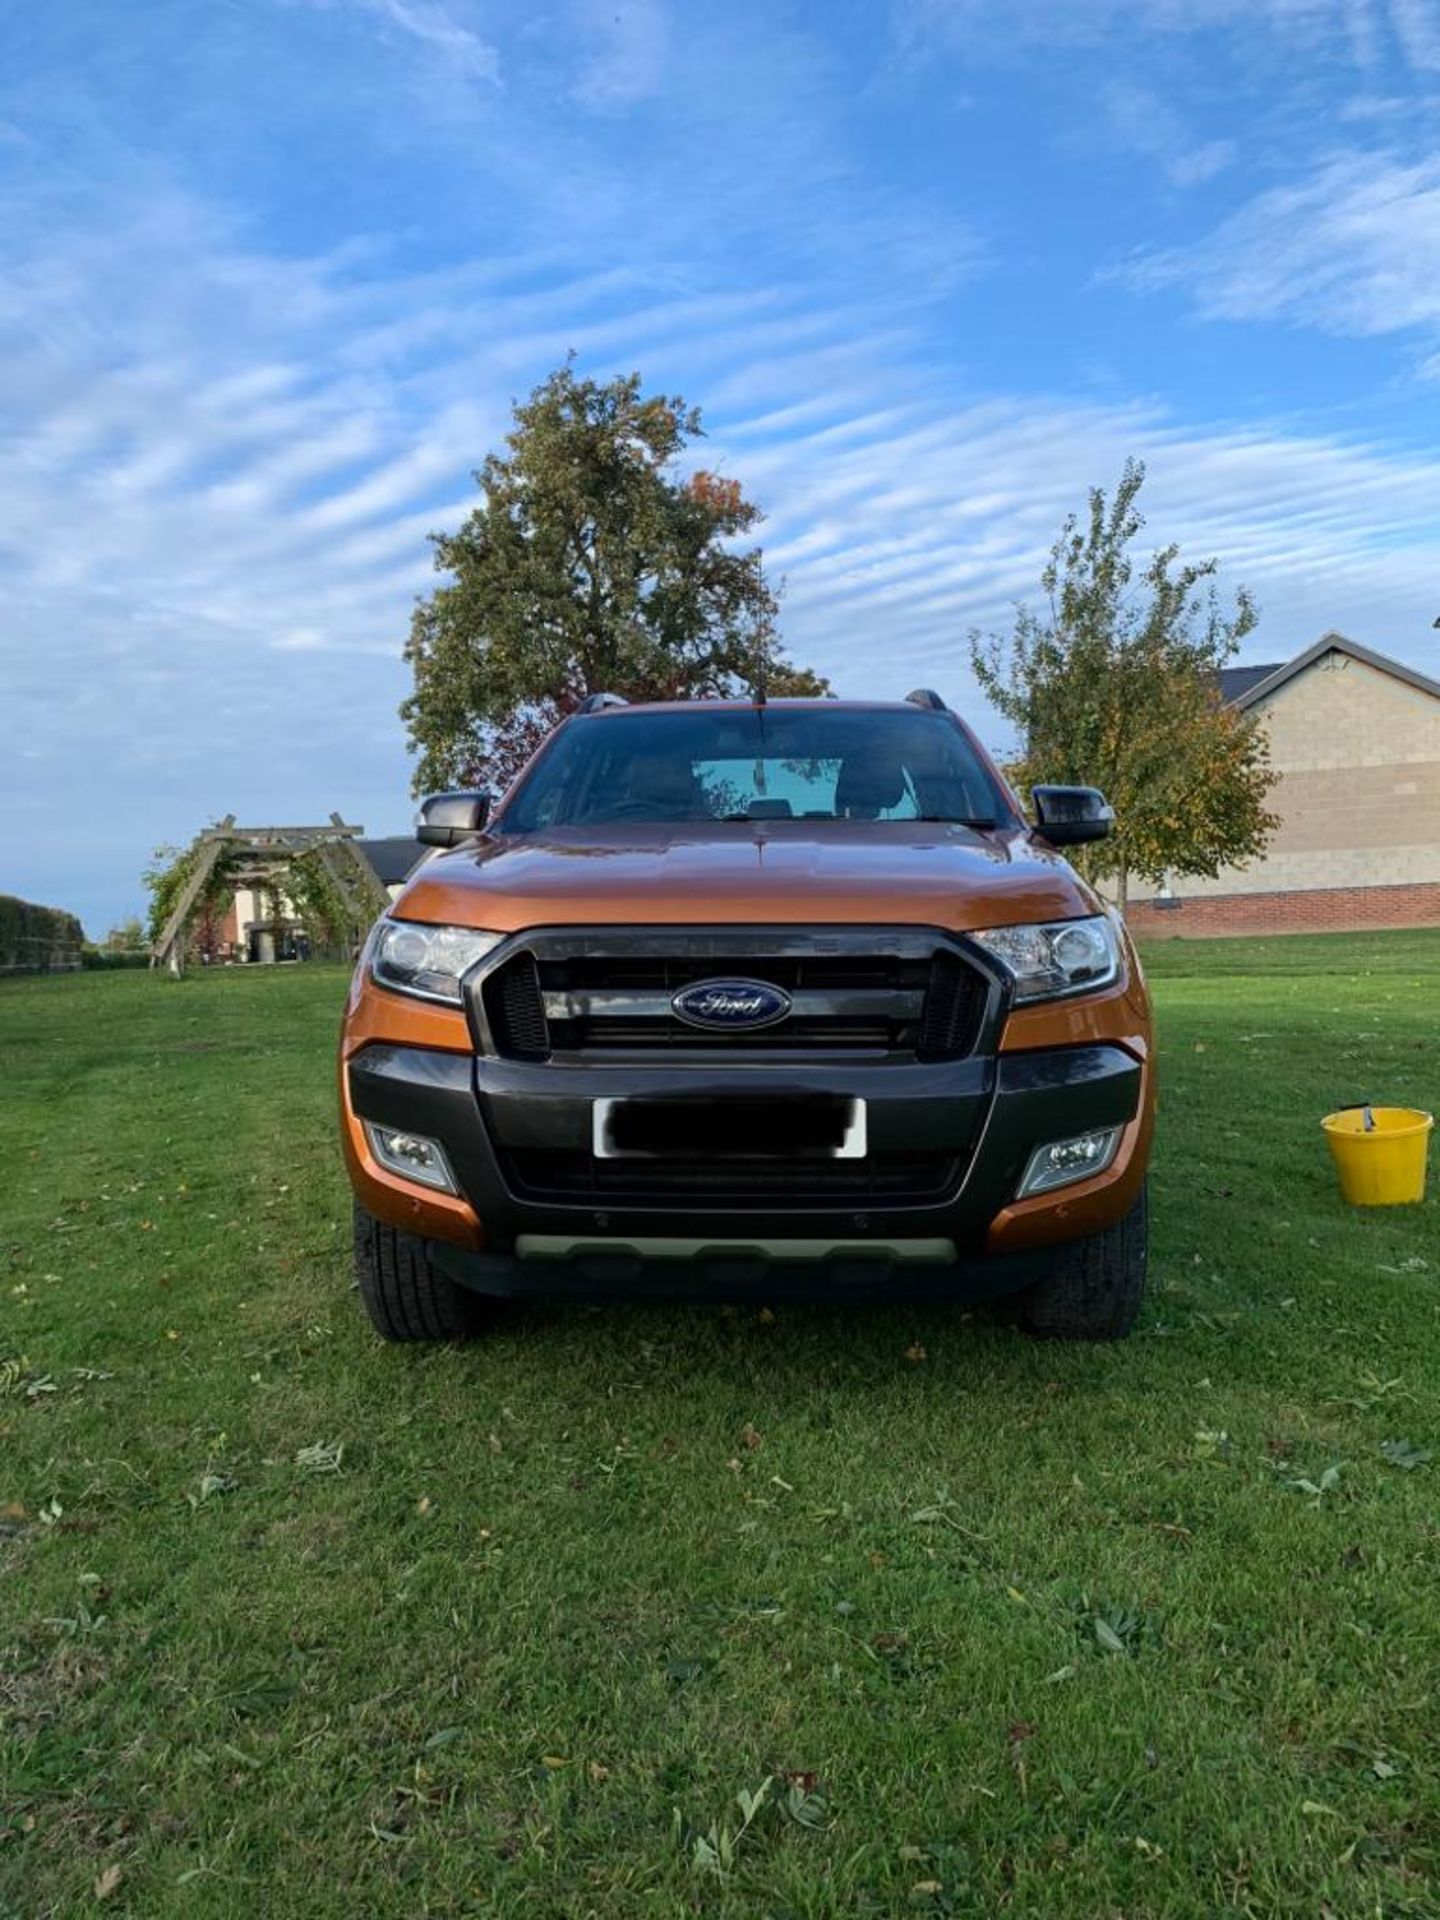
<point x="1094" y="1287"/>
<point x="407" y="1297"/>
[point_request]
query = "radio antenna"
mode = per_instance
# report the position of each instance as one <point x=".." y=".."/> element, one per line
<point x="757" y="697"/>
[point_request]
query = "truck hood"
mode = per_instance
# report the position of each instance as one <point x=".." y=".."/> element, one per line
<point x="773" y="872"/>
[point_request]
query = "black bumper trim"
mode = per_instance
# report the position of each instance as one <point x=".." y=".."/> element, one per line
<point x="990" y="1111"/>
<point x="736" y="1278"/>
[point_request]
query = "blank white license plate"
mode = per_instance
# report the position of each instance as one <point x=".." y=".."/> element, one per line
<point x="779" y="1127"/>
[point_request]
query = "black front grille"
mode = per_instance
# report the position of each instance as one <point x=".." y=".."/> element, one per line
<point x="602" y="1033"/>
<point x="916" y="999"/>
<point x="668" y="972"/>
<point x="515" y="1010"/>
<point x="954" y="1008"/>
<point x="540" y="1174"/>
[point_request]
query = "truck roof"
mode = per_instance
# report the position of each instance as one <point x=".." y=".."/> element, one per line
<point x="741" y="704"/>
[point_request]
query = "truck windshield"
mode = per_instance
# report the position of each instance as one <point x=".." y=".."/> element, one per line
<point x="772" y="763"/>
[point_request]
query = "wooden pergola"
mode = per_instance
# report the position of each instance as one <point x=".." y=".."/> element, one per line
<point x="265" y="856"/>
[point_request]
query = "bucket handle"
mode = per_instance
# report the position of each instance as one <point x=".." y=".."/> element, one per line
<point x="1363" y="1106"/>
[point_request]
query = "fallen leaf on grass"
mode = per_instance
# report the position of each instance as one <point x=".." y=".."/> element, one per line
<point x="1316" y="1490"/>
<point x="262" y="1696"/>
<point x="751" y="1437"/>
<point x="1403" y="1453"/>
<point x="108" y="1881"/>
<point x="915" y="1353"/>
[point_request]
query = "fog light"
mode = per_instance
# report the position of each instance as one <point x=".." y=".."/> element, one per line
<point x="412" y="1156"/>
<point x="1064" y="1161"/>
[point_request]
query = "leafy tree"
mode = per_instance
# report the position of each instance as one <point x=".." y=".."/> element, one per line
<point x="166" y="879"/>
<point x="1116" y="684"/>
<point x="316" y="898"/>
<point x="126" y="936"/>
<point x="591" y="563"/>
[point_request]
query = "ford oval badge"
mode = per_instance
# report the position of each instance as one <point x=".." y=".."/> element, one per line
<point x="731" y="1006"/>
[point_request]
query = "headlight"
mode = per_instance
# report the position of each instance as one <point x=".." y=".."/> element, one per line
<point x="427" y="961"/>
<point x="1062" y="956"/>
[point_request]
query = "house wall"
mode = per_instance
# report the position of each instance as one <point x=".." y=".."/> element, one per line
<point x="1307" y="910"/>
<point x="248" y="907"/>
<point x="1358" y="754"/>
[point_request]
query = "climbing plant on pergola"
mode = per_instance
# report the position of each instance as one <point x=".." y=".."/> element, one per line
<point x="321" y="868"/>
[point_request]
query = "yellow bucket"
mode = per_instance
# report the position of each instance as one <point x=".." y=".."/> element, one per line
<point x="1382" y="1165"/>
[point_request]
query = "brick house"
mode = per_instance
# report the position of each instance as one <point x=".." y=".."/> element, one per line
<point x="1355" y="738"/>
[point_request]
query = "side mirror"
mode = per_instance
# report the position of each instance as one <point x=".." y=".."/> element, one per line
<point x="1069" y="816"/>
<point x="447" y="819"/>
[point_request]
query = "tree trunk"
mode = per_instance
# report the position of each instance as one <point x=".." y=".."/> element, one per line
<point x="1122" y="890"/>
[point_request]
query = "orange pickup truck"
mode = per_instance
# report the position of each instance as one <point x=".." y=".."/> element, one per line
<point x="740" y="1000"/>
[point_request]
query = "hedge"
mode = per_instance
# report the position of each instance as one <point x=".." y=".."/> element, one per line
<point x="106" y="959"/>
<point x="37" y="939"/>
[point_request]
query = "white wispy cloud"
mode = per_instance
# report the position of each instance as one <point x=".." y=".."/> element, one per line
<point x="1142" y="121"/>
<point x="439" y="28"/>
<point x="1354" y="248"/>
<point x="1416" y="24"/>
<point x="1361" y="31"/>
<point x="247" y="497"/>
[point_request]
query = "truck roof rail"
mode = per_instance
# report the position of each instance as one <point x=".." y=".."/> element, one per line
<point x="926" y="697"/>
<point x="597" y="702"/>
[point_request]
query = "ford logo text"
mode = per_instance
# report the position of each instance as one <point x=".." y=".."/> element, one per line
<point x="732" y="1006"/>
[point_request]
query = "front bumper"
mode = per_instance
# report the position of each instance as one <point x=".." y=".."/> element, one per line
<point x="985" y="1115"/>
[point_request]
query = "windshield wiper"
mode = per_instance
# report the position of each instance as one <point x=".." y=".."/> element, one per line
<point x="953" y="820"/>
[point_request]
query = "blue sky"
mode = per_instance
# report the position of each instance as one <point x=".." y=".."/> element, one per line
<point x="271" y="272"/>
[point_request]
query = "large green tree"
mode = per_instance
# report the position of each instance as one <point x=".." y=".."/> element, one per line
<point x="593" y="562"/>
<point x="1115" y="683"/>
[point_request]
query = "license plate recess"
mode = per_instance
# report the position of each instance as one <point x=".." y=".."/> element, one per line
<point x="779" y="1126"/>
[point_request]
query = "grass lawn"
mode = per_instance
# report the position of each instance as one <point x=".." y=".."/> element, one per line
<point x="296" y="1624"/>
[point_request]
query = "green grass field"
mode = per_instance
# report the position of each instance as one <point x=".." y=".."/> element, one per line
<point x="296" y="1624"/>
